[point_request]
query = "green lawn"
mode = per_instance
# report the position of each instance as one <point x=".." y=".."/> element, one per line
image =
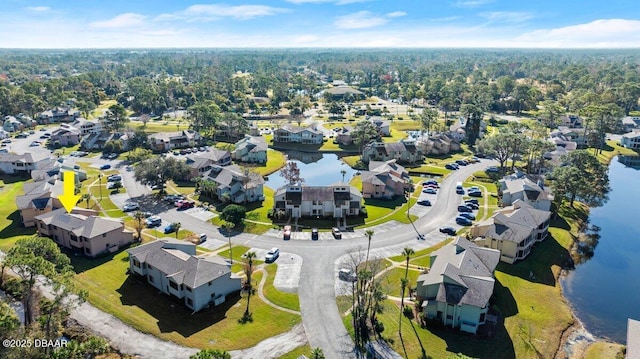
<point x="353" y="161"/>
<point x="297" y="352"/>
<point x="424" y="253"/>
<point x="283" y="299"/>
<point x="237" y="252"/>
<point x="275" y="161"/>
<point x="141" y="306"/>
<point x="396" y="135"/>
<point x="391" y="280"/>
<point x="405" y="125"/>
<point x="10" y="224"/>
<point x="611" y="150"/>
<point x="599" y="350"/>
<point x="433" y="170"/>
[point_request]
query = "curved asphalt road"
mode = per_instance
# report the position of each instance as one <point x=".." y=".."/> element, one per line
<point x="316" y="288"/>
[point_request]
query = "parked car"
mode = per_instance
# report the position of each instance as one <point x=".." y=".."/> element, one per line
<point x="130" y="206"/>
<point x="22" y="135"/>
<point x="424" y="202"/>
<point x="492" y="169"/>
<point x="202" y="237"/>
<point x="336" y="233"/>
<point x="272" y="255"/>
<point x="430" y="182"/>
<point x="464" y="208"/>
<point x="153" y="221"/>
<point x="472" y="205"/>
<point x="474" y="193"/>
<point x="185" y="204"/>
<point x="286" y="233"/>
<point x="430" y="190"/>
<point x="471" y="200"/>
<point x="347" y="275"/>
<point x="314" y="234"/>
<point x="449" y="166"/>
<point x="114" y="178"/>
<point x="34" y="144"/>
<point x="112" y="156"/>
<point x="448" y="230"/>
<point x="114" y="184"/>
<point x="169" y="228"/>
<point x="434" y="186"/>
<point x="158" y="186"/>
<point x="105" y="167"/>
<point x="462" y="162"/>
<point x="468" y="215"/>
<point x="463" y="221"/>
<point x="474" y="160"/>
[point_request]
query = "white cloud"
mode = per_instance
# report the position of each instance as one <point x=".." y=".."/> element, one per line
<point x="212" y="12"/>
<point x="512" y="17"/>
<point x="603" y="33"/>
<point x="38" y="8"/>
<point x="445" y="19"/>
<point x="337" y="2"/>
<point x="396" y="14"/>
<point x="359" y="20"/>
<point x="121" y="21"/>
<point x="471" y="3"/>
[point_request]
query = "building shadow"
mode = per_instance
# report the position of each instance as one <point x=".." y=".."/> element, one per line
<point x="504" y="299"/>
<point x="170" y="312"/>
<point x="539" y="265"/>
<point x="14" y="227"/>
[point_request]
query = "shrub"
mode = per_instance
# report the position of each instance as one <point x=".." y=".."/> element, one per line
<point x="233" y="213"/>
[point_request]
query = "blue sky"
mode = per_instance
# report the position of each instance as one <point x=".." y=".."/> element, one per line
<point x="319" y="23"/>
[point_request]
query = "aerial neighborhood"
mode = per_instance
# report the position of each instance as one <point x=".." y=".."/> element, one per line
<point x="352" y="210"/>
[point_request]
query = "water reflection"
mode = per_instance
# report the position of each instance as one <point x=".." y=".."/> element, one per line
<point x="316" y="168"/>
<point x="630" y="161"/>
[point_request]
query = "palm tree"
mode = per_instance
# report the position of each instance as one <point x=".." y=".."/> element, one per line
<point x="317" y="353"/>
<point x="228" y="226"/>
<point x="139" y="216"/>
<point x="86" y="197"/>
<point x="407" y="253"/>
<point x="248" y="271"/>
<point x="343" y="173"/>
<point x="177" y="226"/>
<point x="369" y="233"/>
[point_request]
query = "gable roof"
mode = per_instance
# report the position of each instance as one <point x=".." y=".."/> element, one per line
<point x="79" y="224"/>
<point x="513" y="223"/>
<point x="463" y="272"/>
<point x="253" y="143"/>
<point x="532" y="191"/>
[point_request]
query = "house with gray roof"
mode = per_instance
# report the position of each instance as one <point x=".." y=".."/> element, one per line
<point x="166" y="141"/>
<point x="338" y="200"/>
<point x="39" y="197"/>
<point x="83" y="231"/>
<point x="11" y="163"/>
<point x="457" y="288"/>
<point x="385" y="180"/>
<point x="173" y="267"/>
<point x="631" y="140"/>
<point x="343" y="135"/>
<point x="512" y="230"/>
<point x="304" y="135"/>
<point x="403" y="151"/>
<point x="66" y="135"/>
<point x="533" y="193"/>
<point x="11" y="124"/>
<point x="382" y="126"/>
<point x="633" y="339"/>
<point x="251" y="149"/>
<point x="58" y="114"/>
<point x="234" y="185"/>
<point x="202" y="162"/>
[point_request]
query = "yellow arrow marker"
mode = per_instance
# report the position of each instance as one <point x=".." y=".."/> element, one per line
<point x="68" y="197"/>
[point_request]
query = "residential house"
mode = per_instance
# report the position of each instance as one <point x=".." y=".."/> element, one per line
<point x="57" y="115"/>
<point x="458" y="129"/>
<point x="630" y="123"/>
<point x="404" y="151"/>
<point x="457" y="288"/>
<point x="4" y="134"/>
<point x="340" y="91"/>
<point x="524" y="189"/>
<point x="438" y="144"/>
<point x="571" y="121"/>
<point x="633" y="339"/>
<point x="39" y="197"/>
<point x="86" y="127"/>
<point x="65" y="135"/>
<point x="631" y="140"/>
<point x="11" y="163"/>
<point x="303" y="135"/>
<point x="234" y="185"/>
<point x="166" y="141"/>
<point x="576" y="135"/>
<point x="26" y="120"/>
<point x="512" y="230"/>
<point x="252" y="149"/>
<point x="203" y="162"/>
<point x="11" y="124"/>
<point x="385" y="180"/>
<point x="382" y="126"/>
<point x="173" y="267"/>
<point x="337" y="201"/>
<point x="343" y="135"/>
<point x="83" y="233"/>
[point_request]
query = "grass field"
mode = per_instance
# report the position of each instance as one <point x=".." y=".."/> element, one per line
<point x="283" y="299"/>
<point x="391" y="280"/>
<point x="143" y="307"/>
<point x="10" y="223"/>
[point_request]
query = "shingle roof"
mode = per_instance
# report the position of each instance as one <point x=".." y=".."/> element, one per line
<point x="79" y="224"/>
<point x="254" y="143"/>
<point x="513" y="223"/>
<point x="464" y="273"/>
<point x="633" y="339"/>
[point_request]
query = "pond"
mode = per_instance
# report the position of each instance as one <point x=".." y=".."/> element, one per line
<point x="605" y="290"/>
<point x="316" y="168"/>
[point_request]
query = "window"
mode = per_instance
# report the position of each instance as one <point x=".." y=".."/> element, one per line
<point x="173" y="285"/>
<point x="481" y="317"/>
<point x="187" y="288"/>
<point x="189" y="302"/>
<point x="150" y="279"/>
<point x="136" y="263"/>
<point x="449" y="317"/>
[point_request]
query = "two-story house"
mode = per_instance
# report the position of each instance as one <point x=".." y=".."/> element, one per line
<point x="512" y="230"/>
<point x="533" y="193"/>
<point x="631" y="140"/>
<point x="303" y="135"/>
<point x="438" y="144"/>
<point x="166" y="141"/>
<point x="576" y="135"/>
<point x="87" y="234"/>
<point x="39" y="197"/>
<point x="251" y="149"/>
<point x="66" y="135"/>
<point x="234" y="185"/>
<point x="404" y="151"/>
<point x="457" y="288"/>
<point x="382" y="126"/>
<point x="11" y="163"/>
<point x="11" y="124"/>
<point x="385" y="180"/>
<point x="58" y="114"/>
<point x="173" y="267"/>
<point x="337" y="201"/>
<point x="201" y="163"/>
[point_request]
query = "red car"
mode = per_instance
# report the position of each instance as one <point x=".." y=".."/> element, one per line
<point x="186" y="204"/>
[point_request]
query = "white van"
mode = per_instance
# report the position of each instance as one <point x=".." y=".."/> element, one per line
<point x="272" y="255"/>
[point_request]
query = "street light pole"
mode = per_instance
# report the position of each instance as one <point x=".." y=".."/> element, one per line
<point x="100" y="181"/>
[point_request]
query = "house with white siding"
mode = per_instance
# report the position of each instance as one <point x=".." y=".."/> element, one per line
<point x="336" y="201"/>
<point x="457" y="288"/>
<point x="251" y="149"/>
<point x="631" y="140"/>
<point x="533" y="193"/>
<point x="173" y="267"/>
<point x="234" y="185"/>
<point x="303" y="135"/>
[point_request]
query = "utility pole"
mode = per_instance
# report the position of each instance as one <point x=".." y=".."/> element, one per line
<point x="100" y="181"/>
